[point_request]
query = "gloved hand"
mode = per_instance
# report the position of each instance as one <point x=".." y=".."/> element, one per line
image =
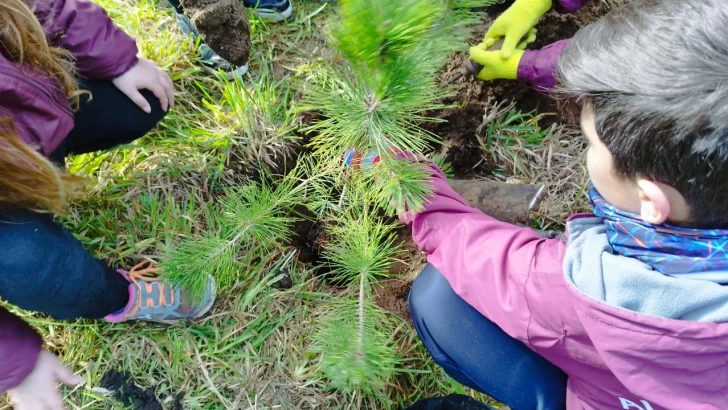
<point x="515" y="23"/>
<point x="494" y="66"/>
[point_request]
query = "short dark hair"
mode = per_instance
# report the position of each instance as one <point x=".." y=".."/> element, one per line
<point x="656" y="74"/>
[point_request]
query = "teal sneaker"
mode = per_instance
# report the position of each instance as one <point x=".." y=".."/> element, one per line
<point x="152" y="299"/>
<point x="270" y="10"/>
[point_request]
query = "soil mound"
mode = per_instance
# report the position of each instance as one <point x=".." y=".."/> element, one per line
<point x="223" y="25"/>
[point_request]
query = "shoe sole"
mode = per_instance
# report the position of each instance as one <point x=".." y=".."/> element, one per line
<point x="274" y="16"/>
<point x="229" y="75"/>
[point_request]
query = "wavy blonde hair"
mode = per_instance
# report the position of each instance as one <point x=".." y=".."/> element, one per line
<point x="28" y="179"/>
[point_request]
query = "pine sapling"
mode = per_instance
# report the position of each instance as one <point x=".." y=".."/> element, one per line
<point x="354" y="336"/>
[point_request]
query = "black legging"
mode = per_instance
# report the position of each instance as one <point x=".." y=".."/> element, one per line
<point x="107" y="119"/>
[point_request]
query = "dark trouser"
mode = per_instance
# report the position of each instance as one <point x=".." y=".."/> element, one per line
<point x="43" y="268"/>
<point x="477" y="353"/>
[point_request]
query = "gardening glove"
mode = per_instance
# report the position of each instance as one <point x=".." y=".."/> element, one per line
<point x="514" y="24"/>
<point x="494" y="66"/>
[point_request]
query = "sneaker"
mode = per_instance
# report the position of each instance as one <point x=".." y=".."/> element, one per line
<point x="270" y="10"/>
<point x="153" y="300"/>
<point x="211" y="61"/>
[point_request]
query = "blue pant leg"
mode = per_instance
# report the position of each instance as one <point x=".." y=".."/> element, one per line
<point x="43" y="268"/>
<point x="477" y="353"/>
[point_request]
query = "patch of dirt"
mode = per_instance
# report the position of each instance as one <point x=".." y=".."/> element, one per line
<point x="392" y="294"/>
<point x="474" y="96"/>
<point x="129" y="394"/>
<point x="223" y="25"/>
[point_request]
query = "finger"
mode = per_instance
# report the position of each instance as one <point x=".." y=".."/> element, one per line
<point x="168" y="88"/>
<point x="488" y="43"/>
<point x="157" y="89"/>
<point x="65" y="375"/>
<point x="480" y="56"/>
<point x="495" y="32"/>
<point x="139" y="100"/>
<point x="531" y="36"/>
<point x="509" y="45"/>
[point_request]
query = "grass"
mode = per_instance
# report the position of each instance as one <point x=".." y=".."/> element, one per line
<point x="255" y="350"/>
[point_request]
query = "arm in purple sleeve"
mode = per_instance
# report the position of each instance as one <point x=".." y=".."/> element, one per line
<point x="19" y="350"/>
<point x="102" y="50"/>
<point x="538" y="67"/>
<point x="569" y="6"/>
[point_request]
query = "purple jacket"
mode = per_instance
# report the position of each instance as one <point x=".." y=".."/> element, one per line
<point x="35" y="102"/>
<point x="615" y="358"/>
<point x="43" y="117"/>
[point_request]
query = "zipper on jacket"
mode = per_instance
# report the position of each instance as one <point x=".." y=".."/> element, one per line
<point x="37" y="85"/>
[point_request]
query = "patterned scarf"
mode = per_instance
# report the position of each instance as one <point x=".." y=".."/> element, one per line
<point x="670" y="250"/>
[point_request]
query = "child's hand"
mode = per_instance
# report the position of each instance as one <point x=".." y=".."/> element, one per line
<point x="146" y="76"/>
<point x="515" y="24"/>
<point x="38" y="390"/>
<point x="494" y="66"/>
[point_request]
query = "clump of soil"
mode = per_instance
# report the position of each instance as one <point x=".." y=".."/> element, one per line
<point x="392" y="295"/>
<point x="223" y="25"/>
<point x="129" y="394"/>
<point x="474" y="97"/>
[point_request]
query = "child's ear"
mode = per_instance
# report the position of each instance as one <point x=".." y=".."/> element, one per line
<point x="654" y="202"/>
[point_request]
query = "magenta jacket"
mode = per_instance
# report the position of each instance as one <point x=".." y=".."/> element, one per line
<point x="43" y="117"/>
<point x="598" y="316"/>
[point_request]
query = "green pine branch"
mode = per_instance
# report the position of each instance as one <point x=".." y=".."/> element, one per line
<point x="253" y="221"/>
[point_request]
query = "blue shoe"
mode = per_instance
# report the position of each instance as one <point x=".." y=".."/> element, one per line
<point x="211" y="61"/>
<point x="270" y="10"/>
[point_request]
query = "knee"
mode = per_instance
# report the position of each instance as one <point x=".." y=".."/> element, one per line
<point x="148" y="122"/>
<point x="431" y="300"/>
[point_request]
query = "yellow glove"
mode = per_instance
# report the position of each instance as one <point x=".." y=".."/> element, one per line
<point x="494" y="66"/>
<point x="515" y="24"/>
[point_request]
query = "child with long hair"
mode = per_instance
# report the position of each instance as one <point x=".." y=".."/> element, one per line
<point x="630" y="310"/>
<point x="70" y="82"/>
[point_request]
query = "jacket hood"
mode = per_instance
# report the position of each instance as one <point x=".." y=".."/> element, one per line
<point x="663" y="338"/>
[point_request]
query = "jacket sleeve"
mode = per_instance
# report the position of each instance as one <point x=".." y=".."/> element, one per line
<point x="569" y="6"/>
<point x="538" y="67"/>
<point x="19" y="350"/>
<point x="102" y="50"/>
<point x="487" y="262"/>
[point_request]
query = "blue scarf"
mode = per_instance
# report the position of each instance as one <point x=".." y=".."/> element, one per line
<point x="670" y="250"/>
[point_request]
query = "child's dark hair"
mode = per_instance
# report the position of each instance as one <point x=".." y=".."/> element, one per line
<point x="656" y="74"/>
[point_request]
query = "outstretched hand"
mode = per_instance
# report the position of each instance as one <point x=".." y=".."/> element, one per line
<point x="146" y="75"/>
<point x="38" y="391"/>
<point x="515" y="24"/>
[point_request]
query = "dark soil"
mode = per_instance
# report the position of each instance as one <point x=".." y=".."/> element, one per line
<point x="223" y="25"/>
<point x="392" y="294"/>
<point x="474" y="96"/>
<point x="129" y="394"/>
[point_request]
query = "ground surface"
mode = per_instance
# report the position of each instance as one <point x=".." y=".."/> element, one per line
<point x="252" y="351"/>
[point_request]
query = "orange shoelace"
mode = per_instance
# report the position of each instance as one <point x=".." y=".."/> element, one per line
<point x="145" y="272"/>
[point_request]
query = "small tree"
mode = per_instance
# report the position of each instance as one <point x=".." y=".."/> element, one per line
<point x="378" y="101"/>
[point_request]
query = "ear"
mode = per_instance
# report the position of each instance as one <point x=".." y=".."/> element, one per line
<point x="654" y="202"/>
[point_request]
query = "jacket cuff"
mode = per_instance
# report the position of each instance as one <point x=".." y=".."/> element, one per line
<point x="526" y="66"/>
<point x="20" y="347"/>
<point x="568" y="6"/>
